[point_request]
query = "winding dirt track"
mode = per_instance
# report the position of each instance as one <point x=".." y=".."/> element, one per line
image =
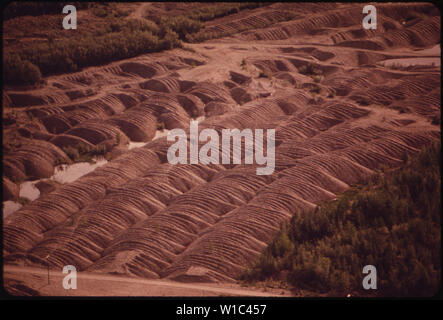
<point x="140" y="11"/>
<point x="140" y="216"/>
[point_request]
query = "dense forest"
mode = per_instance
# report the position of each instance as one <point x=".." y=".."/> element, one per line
<point x="391" y="221"/>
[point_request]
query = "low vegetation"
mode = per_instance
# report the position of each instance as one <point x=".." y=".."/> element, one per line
<point x="362" y="101"/>
<point x="391" y="221"/>
<point x="104" y="10"/>
<point x="23" y="200"/>
<point x="73" y="54"/>
<point x="435" y="120"/>
<point x="395" y="66"/>
<point x="17" y="71"/>
<point x="243" y="64"/>
<point x="83" y="153"/>
<point x="207" y="13"/>
<point x="36" y="8"/>
<point x="310" y="69"/>
<point x="406" y="67"/>
<point x="317" y="78"/>
<point x="264" y="74"/>
<point x="112" y="38"/>
<point x="161" y="126"/>
<point x="204" y="35"/>
<point x="181" y="25"/>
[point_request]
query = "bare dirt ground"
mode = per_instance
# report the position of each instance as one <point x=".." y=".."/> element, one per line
<point x="93" y="284"/>
<point x="317" y="80"/>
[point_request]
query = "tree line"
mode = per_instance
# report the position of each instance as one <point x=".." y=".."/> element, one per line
<point x="391" y="221"/>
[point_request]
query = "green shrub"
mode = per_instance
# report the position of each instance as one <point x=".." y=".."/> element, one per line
<point x="310" y="69"/>
<point x="317" y="78"/>
<point x="282" y="245"/>
<point x="264" y="74"/>
<point x="120" y="13"/>
<point x="170" y="40"/>
<point x="160" y="125"/>
<point x="84" y="153"/>
<point x="23" y="200"/>
<point x="71" y="152"/>
<point x="133" y="25"/>
<point x="18" y="71"/>
<point x="210" y="12"/>
<point x="118" y="138"/>
<point x="190" y="29"/>
<point x="180" y="25"/>
<point x="100" y="12"/>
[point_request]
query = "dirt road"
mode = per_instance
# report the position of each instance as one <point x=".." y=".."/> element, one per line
<point x="94" y="284"/>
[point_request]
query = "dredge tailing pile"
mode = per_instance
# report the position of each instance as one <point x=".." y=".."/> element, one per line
<point x="139" y="215"/>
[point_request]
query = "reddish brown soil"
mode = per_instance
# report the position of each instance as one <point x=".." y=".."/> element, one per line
<point x="140" y="216"/>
